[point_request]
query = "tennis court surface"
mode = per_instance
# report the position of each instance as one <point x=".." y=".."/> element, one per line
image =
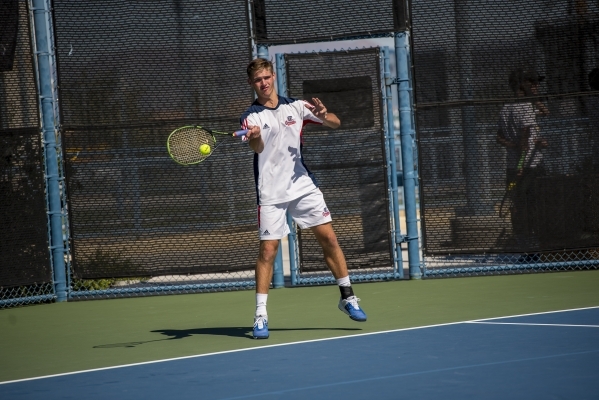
<point x="450" y="339"/>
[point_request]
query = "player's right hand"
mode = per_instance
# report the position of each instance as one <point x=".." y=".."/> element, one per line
<point x="252" y="135"/>
<point x="253" y="132"/>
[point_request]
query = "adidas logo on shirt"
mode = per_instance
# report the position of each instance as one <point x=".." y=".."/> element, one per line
<point x="266" y="232"/>
<point x="265" y="126"/>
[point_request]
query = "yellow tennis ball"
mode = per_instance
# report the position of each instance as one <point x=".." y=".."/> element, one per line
<point x="205" y="149"/>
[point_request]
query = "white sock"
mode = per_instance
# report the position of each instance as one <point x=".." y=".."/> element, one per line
<point x="261" y="304"/>
<point x="344" y="281"/>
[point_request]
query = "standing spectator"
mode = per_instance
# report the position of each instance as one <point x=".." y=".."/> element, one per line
<point x="519" y="133"/>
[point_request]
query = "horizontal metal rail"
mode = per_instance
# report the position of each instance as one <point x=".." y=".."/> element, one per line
<point x="354" y="278"/>
<point x="441" y="271"/>
<point x="27" y="300"/>
<point x="158" y="288"/>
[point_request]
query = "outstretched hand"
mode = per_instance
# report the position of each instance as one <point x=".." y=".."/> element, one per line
<point x="319" y="110"/>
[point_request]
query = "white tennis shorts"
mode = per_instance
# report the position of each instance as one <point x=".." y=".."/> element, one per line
<point x="307" y="211"/>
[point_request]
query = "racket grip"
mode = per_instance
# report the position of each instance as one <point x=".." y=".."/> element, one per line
<point x="242" y="132"/>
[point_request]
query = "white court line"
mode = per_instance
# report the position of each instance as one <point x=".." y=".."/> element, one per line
<point x="280" y="345"/>
<point x="524" y="323"/>
<point x="526" y="315"/>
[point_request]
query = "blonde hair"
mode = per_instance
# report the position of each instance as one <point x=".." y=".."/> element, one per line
<point x="257" y="65"/>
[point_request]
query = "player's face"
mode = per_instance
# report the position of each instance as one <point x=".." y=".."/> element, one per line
<point x="263" y="83"/>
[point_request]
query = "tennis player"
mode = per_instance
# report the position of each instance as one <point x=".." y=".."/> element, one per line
<point x="284" y="183"/>
<point x="519" y="133"/>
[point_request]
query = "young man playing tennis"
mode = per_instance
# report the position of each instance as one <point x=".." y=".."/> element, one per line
<point x="284" y="183"/>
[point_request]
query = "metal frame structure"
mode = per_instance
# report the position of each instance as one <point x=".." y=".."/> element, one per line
<point x="46" y="80"/>
<point x="396" y="236"/>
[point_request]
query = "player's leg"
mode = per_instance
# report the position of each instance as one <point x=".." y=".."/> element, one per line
<point x="310" y="211"/>
<point x="333" y="255"/>
<point x="335" y="260"/>
<point x="272" y="225"/>
<point x="264" y="264"/>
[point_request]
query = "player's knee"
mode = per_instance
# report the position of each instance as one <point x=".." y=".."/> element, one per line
<point x="329" y="240"/>
<point x="268" y="251"/>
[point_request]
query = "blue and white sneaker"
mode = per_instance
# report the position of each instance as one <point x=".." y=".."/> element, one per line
<point x="261" y="327"/>
<point x="351" y="308"/>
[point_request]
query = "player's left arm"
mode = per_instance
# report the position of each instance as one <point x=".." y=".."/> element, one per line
<point x="320" y="111"/>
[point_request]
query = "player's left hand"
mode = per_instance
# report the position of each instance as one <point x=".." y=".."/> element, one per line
<point x="319" y="110"/>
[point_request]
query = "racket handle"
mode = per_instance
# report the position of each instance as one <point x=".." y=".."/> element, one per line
<point x="242" y="132"/>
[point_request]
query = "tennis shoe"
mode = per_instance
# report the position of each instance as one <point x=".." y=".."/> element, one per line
<point x="350" y="307"/>
<point x="260" y="327"/>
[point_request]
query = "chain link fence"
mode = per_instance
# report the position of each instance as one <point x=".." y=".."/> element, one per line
<point x="506" y="113"/>
<point x="26" y="274"/>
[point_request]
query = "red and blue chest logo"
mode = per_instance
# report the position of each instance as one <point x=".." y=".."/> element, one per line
<point x="290" y="121"/>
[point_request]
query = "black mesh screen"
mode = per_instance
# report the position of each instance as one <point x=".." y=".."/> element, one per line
<point x="348" y="162"/>
<point x="306" y="20"/>
<point x="24" y="254"/>
<point x="131" y="72"/>
<point x="475" y="65"/>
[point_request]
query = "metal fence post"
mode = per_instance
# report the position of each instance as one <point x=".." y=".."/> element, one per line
<point x="392" y="173"/>
<point x="292" y="237"/>
<point x="404" y="89"/>
<point x="45" y="63"/>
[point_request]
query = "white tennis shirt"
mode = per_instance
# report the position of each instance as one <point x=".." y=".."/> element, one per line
<point x="279" y="171"/>
<point x="513" y="118"/>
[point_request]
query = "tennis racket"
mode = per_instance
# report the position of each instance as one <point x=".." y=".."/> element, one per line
<point x="190" y="145"/>
<point x="508" y="198"/>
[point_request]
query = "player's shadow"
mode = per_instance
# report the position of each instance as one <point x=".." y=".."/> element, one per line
<point x="242" y="332"/>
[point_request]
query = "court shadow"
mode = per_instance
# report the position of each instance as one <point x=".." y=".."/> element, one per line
<point x="242" y="332"/>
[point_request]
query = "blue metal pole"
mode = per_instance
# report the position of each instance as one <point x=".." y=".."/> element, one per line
<point x="404" y="89"/>
<point x="396" y="233"/>
<point x="278" y="277"/>
<point x="292" y="237"/>
<point x="44" y="54"/>
<point x="262" y="51"/>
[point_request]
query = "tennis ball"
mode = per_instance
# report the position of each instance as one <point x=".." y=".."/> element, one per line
<point x="205" y="149"/>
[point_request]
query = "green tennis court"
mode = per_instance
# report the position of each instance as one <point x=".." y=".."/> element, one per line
<point x="60" y="338"/>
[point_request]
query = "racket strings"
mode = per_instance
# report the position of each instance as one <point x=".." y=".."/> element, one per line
<point x="184" y="145"/>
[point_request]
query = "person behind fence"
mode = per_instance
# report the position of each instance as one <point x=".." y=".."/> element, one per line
<point x="519" y="133"/>
<point x="593" y="113"/>
<point x="284" y="184"/>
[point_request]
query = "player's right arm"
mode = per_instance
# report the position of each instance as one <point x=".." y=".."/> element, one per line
<point x="255" y="139"/>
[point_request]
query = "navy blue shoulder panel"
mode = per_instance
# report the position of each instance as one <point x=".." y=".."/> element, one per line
<point x="254" y="108"/>
<point x="257" y="107"/>
<point x="287" y="100"/>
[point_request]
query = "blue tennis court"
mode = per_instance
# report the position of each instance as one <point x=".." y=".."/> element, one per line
<point x="551" y="355"/>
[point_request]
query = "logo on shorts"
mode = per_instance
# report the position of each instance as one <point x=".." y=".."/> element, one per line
<point x="266" y="232"/>
<point x="326" y="212"/>
<point x="290" y="120"/>
<point x="266" y="126"/>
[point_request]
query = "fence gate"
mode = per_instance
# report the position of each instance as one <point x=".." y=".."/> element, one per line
<point x="350" y="163"/>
